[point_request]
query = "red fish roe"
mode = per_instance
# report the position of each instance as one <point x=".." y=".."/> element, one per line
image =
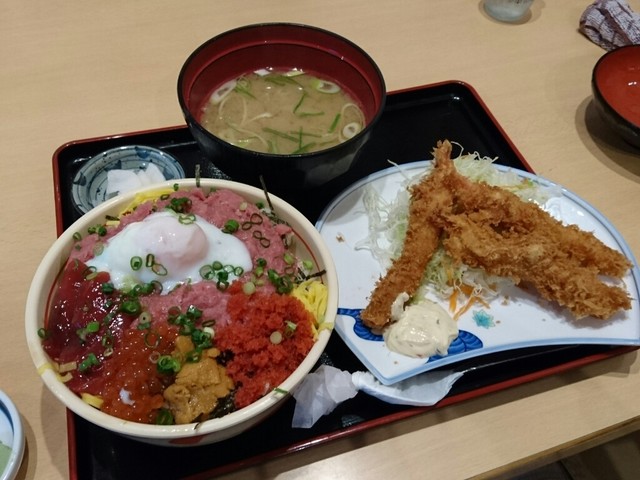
<point x="130" y="384"/>
<point x="259" y="365"/>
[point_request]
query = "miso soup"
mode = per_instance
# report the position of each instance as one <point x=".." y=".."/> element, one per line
<point x="282" y="113"/>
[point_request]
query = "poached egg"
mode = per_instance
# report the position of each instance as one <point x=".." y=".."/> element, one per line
<point x="169" y="248"/>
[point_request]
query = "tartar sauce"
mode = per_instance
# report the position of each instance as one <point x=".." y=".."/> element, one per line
<point x="420" y="330"/>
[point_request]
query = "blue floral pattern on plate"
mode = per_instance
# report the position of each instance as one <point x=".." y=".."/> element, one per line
<point x="464" y="342"/>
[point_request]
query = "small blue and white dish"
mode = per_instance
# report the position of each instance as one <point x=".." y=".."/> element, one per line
<point x="11" y="438"/>
<point x="89" y="187"/>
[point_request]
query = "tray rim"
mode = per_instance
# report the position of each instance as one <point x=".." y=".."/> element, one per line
<point x="367" y="424"/>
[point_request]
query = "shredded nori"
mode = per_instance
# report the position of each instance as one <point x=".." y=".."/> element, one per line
<point x="224" y="406"/>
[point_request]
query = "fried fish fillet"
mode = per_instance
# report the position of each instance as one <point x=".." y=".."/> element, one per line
<point x="493" y="229"/>
<point x="422" y="239"/>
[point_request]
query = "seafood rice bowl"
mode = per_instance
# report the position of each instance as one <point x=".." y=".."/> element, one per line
<point x="183" y="313"/>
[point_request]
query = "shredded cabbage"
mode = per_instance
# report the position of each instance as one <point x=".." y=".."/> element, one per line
<point x="387" y="226"/>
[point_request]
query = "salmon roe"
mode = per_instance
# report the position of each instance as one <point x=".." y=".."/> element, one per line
<point x="129" y="384"/>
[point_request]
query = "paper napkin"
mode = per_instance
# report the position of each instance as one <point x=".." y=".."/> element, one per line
<point x="323" y="390"/>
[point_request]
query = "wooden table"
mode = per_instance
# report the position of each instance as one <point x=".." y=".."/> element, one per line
<point x="73" y="70"/>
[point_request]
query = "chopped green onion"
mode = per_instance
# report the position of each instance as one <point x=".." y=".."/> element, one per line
<point x="101" y="230"/>
<point x="152" y="339"/>
<point x="290" y="328"/>
<point x="187" y="219"/>
<point x="43" y="333"/>
<point x="107" y="339"/>
<point x="93" y="327"/>
<point x="135" y="263"/>
<point x="155" y="286"/>
<point x="144" y="321"/>
<point x="193" y="356"/>
<point x="168" y="364"/>
<point x="107" y="288"/>
<point x="207" y="272"/>
<point x="77" y="236"/>
<point x="275" y="337"/>
<point x="201" y="339"/>
<point x="351" y="129"/>
<point x="89" y="361"/>
<point x="223" y="275"/>
<point x="90" y="273"/>
<point x="231" y="226"/>
<point x="334" y="124"/>
<point x="159" y="269"/>
<point x="280" y="134"/>
<point x="187" y="328"/>
<point x="173" y="312"/>
<point x="164" y="417"/>
<point x="299" y="104"/>
<point x="264" y="241"/>
<point x="282" y="283"/>
<point x="179" y="205"/>
<point x="194" y="312"/>
<point x="108" y="318"/>
<point x="147" y="288"/>
<point x="249" y="288"/>
<point x="243" y="87"/>
<point x="325" y="86"/>
<point x="131" y="307"/>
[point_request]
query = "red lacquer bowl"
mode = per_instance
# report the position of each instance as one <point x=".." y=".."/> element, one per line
<point x="616" y="90"/>
<point x="280" y="46"/>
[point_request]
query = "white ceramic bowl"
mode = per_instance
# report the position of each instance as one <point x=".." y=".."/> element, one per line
<point x="12" y="436"/>
<point x="89" y="187"/>
<point x="209" y="431"/>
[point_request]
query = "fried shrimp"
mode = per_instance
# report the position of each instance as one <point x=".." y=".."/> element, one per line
<point x="493" y="229"/>
<point x="422" y="239"/>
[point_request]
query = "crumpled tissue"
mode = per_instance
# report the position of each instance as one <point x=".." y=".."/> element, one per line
<point x="611" y="24"/>
<point x="323" y="390"/>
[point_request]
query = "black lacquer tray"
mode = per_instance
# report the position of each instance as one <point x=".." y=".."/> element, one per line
<point x="413" y="121"/>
